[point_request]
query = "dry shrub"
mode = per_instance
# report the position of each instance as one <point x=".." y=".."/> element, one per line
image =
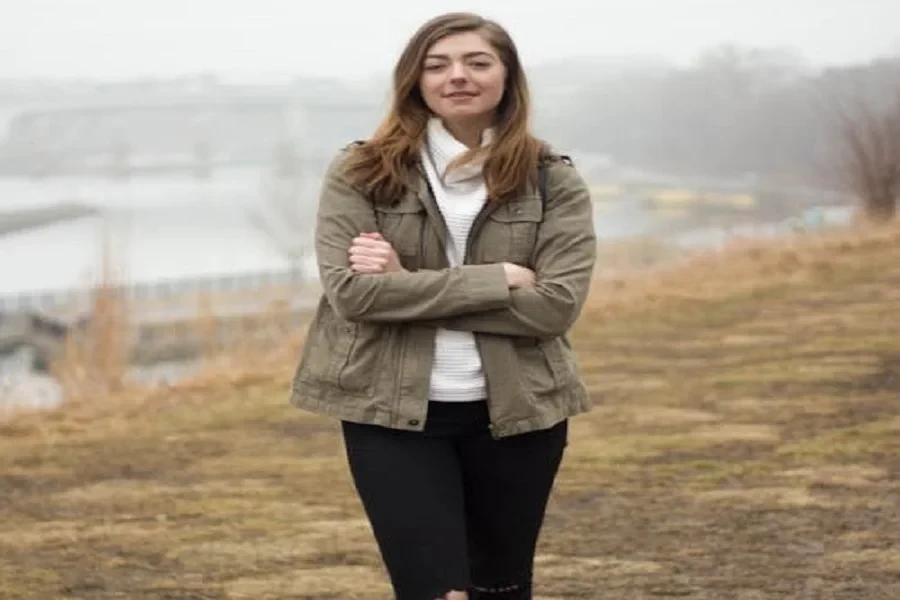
<point x="95" y="358"/>
<point x="265" y="347"/>
<point x="866" y="111"/>
<point x="95" y="378"/>
<point x="96" y="349"/>
<point x="872" y="158"/>
<point x="94" y="368"/>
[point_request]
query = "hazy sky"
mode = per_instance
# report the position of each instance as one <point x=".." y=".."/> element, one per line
<point x="277" y="38"/>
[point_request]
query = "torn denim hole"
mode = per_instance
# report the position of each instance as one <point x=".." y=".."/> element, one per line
<point x="508" y="592"/>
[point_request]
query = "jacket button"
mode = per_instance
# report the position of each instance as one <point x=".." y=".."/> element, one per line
<point x="413" y="422"/>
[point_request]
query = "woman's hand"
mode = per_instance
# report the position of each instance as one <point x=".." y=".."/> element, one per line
<point x="372" y="254"/>
<point x="517" y="276"/>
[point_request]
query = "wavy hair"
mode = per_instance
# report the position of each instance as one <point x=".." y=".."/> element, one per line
<point x="380" y="166"/>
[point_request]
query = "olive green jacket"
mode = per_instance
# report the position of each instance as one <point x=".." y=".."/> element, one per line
<point x="369" y="349"/>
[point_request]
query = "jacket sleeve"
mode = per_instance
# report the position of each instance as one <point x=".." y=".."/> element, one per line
<point x="343" y="213"/>
<point x="565" y="252"/>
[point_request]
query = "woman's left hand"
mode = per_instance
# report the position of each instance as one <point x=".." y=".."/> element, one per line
<point x="370" y="253"/>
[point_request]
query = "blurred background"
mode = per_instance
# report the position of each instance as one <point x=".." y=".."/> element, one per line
<point x="172" y="150"/>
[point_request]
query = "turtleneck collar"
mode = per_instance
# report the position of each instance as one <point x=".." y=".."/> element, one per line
<point x="442" y="149"/>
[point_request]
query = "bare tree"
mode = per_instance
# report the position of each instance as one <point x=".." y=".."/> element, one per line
<point x="869" y="129"/>
<point x="286" y="215"/>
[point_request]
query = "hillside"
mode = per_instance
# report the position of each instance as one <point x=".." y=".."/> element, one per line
<point x="745" y="445"/>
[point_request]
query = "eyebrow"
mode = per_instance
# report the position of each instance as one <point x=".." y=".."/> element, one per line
<point x="466" y="55"/>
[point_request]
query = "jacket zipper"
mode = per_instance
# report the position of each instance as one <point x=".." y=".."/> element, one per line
<point x="479" y="219"/>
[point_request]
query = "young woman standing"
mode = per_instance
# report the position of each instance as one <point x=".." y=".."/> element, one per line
<point x="455" y="251"/>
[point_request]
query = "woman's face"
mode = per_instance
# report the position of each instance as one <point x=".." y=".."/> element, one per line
<point x="463" y="78"/>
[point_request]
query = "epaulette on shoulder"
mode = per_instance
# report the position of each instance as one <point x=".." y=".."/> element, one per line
<point x="550" y="156"/>
<point x="554" y="157"/>
<point x="353" y="144"/>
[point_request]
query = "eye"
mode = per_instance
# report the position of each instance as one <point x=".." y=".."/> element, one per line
<point x="434" y="67"/>
<point x="480" y="64"/>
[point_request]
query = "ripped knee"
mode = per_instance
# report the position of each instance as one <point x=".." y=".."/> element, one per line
<point x="500" y="592"/>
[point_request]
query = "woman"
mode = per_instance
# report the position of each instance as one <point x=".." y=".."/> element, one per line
<point x="455" y="252"/>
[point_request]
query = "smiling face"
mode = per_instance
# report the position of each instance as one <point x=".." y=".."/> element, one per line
<point x="463" y="79"/>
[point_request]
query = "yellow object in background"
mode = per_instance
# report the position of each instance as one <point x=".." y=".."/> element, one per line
<point x="605" y="192"/>
<point x="677" y="197"/>
<point x="674" y="197"/>
<point x="740" y="201"/>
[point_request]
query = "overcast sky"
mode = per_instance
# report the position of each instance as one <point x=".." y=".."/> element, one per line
<point x="267" y="39"/>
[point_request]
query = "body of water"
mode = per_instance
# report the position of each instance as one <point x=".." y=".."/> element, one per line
<point x="163" y="229"/>
<point x="153" y="229"/>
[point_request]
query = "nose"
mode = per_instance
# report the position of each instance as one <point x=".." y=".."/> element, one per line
<point x="457" y="72"/>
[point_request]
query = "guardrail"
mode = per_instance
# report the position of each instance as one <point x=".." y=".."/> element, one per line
<point x="158" y="290"/>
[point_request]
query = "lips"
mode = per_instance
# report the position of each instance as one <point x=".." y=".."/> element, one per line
<point x="461" y="95"/>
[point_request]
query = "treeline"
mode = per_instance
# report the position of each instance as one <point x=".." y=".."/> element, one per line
<point x="734" y="112"/>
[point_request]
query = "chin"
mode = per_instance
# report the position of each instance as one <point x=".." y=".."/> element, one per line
<point x="467" y="111"/>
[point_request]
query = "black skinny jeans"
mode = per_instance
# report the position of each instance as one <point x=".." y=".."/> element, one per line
<point x="452" y="508"/>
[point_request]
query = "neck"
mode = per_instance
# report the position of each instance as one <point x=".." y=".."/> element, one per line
<point x="467" y="132"/>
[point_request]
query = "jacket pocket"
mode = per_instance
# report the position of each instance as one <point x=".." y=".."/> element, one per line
<point x="510" y="233"/>
<point x="535" y="368"/>
<point x="401" y="224"/>
<point x="360" y="356"/>
<point x="342" y="354"/>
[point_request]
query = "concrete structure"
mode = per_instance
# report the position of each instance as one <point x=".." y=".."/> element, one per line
<point x="12" y="222"/>
<point x="194" y="134"/>
<point x="168" y="326"/>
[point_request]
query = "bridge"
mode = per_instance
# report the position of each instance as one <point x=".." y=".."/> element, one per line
<point x="190" y="134"/>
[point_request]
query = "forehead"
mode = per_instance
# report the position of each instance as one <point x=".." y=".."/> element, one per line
<point x="461" y="44"/>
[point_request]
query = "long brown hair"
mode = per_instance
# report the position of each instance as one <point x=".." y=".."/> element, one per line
<point x="381" y="165"/>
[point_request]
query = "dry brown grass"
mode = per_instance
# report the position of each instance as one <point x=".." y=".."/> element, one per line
<point x="745" y="445"/>
<point x="744" y="268"/>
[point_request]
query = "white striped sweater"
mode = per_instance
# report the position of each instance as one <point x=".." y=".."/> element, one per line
<point x="457" y="374"/>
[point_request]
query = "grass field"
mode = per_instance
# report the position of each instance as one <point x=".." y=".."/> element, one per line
<point x="745" y="445"/>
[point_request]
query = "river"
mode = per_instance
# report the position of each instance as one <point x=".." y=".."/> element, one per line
<point x="169" y="228"/>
